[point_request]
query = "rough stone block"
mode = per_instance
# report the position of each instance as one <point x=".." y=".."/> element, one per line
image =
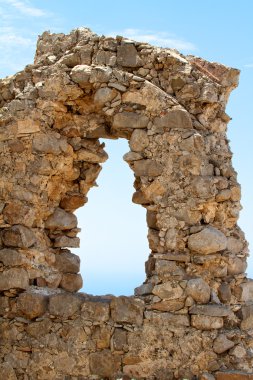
<point x="64" y="305"/>
<point x="103" y="364"/>
<point x="18" y="236"/>
<point x="130" y="120"/>
<point x="11" y="257"/>
<point x="71" y="282"/>
<point x="14" y="278"/>
<point x="167" y="319"/>
<point x="127" y="310"/>
<point x="222" y="344"/>
<point x="127" y="56"/>
<point x="212" y="310"/>
<point x="80" y="74"/>
<point x="67" y="262"/>
<point x="234" y="375"/>
<point x="96" y="311"/>
<point x="66" y="242"/>
<point x="204" y="322"/>
<point x="148" y="168"/>
<point x="32" y="305"/>
<point x="168" y="290"/>
<point x="199" y="290"/>
<point x="174" y="119"/>
<point x="207" y="241"/>
<point x="61" y="220"/>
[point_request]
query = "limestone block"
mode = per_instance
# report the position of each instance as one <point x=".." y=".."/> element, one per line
<point x="247" y="317"/>
<point x="11" y="257"/>
<point x="18" y="236"/>
<point x="236" y="265"/>
<point x="143" y="289"/>
<point x="168" y="290"/>
<point x="222" y="344"/>
<point x="207" y="241"/>
<point x="246" y="291"/>
<point x="127" y="56"/>
<point x="32" y="305"/>
<point x="65" y="241"/>
<point x="127" y="310"/>
<point x="49" y="144"/>
<point x="104" y="364"/>
<point x="14" y="279"/>
<point x="96" y="310"/>
<point x="18" y="213"/>
<point x="130" y="120"/>
<point x="168" y="305"/>
<point x="199" y="290"/>
<point x="71" y="282"/>
<point x="205" y="322"/>
<point x="80" y="74"/>
<point x="100" y="74"/>
<point x="139" y="140"/>
<point x="211" y="310"/>
<point x="166" y="269"/>
<point x="64" y="305"/>
<point x="61" y="220"/>
<point x="166" y="319"/>
<point x="224" y="292"/>
<point x="119" y="340"/>
<point x="104" y="95"/>
<point x="67" y="262"/>
<point x="176" y="118"/>
<point x="72" y="201"/>
<point x="148" y="168"/>
<point x="92" y="157"/>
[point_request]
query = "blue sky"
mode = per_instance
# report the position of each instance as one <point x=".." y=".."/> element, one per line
<point x="114" y="230"/>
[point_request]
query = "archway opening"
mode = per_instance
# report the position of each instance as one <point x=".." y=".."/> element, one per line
<point x="113" y="245"/>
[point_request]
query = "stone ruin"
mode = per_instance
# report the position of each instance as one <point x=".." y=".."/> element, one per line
<point x="193" y="316"/>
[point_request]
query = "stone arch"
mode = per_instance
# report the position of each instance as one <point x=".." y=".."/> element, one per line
<point x="171" y="108"/>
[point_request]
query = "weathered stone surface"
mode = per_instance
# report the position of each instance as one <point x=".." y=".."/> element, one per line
<point x="139" y="140"/>
<point x="207" y="241"/>
<point x="61" y="220"/>
<point x="7" y="372"/>
<point x="93" y="157"/>
<point x="104" y="95"/>
<point x="165" y="305"/>
<point x="211" y="310"/>
<point x="127" y="310"/>
<point x="64" y="305"/>
<point x="247" y="316"/>
<point x="49" y="144"/>
<point x="65" y="241"/>
<point x="14" y="279"/>
<point x="73" y="201"/>
<point x="18" y="236"/>
<point x="11" y="258"/>
<point x="177" y="118"/>
<point x="103" y="364"/>
<point x="81" y="74"/>
<point x="19" y="213"/>
<point x="168" y="290"/>
<point x="199" y="290"/>
<point x="130" y="120"/>
<point x="246" y="291"/>
<point x="167" y="319"/>
<point x="224" y="292"/>
<point x="71" y="282"/>
<point x="205" y="322"/>
<point x="143" y="289"/>
<point x="166" y="269"/>
<point x="32" y="304"/>
<point x="234" y="375"/>
<point x="119" y="340"/>
<point x="222" y="344"/>
<point x="148" y="168"/>
<point x="67" y="262"/>
<point x="127" y="56"/>
<point x="236" y="265"/>
<point x="96" y="310"/>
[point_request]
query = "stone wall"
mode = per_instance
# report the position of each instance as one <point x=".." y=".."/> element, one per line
<point x="193" y="316"/>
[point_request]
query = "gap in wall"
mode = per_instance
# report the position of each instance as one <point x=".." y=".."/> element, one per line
<point x="114" y="246"/>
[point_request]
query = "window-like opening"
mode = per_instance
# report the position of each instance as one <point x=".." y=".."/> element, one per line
<point x="114" y="245"/>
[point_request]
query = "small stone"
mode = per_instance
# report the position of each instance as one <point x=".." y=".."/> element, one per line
<point x="64" y="305"/>
<point x="65" y="241"/>
<point x="130" y="120"/>
<point x="168" y="290"/>
<point x="32" y="305"/>
<point x="207" y="241"/>
<point x="67" y="262"/>
<point x="127" y="56"/>
<point x="238" y="351"/>
<point x="204" y="322"/>
<point x="132" y="156"/>
<point x="176" y="118"/>
<point x="71" y="282"/>
<point x="224" y="292"/>
<point x="151" y="219"/>
<point x="18" y="236"/>
<point x="139" y="140"/>
<point x="199" y="290"/>
<point x="148" y="168"/>
<point x="127" y="310"/>
<point x="222" y="344"/>
<point x="118" y="86"/>
<point x="80" y="74"/>
<point x="103" y="364"/>
<point x="72" y="201"/>
<point x="61" y="220"/>
<point x="14" y="279"/>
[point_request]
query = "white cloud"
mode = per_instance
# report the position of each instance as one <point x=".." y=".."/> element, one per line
<point x="161" y="39"/>
<point x="249" y="65"/>
<point x="25" y="8"/>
